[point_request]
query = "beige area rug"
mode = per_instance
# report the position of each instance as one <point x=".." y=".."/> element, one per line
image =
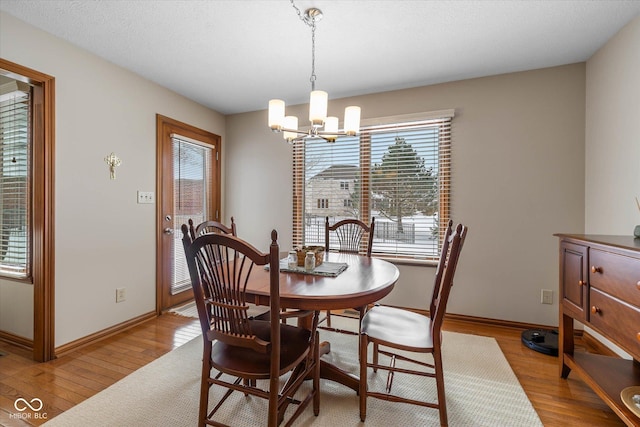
<point x="190" y="310"/>
<point x="481" y="388"/>
<point x="187" y="310"/>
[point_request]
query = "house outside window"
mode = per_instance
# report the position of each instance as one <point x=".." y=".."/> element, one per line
<point x="397" y="172"/>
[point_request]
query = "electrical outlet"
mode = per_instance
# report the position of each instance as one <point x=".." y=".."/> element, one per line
<point x="120" y="294"/>
<point x="546" y="296"/>
<point x="146" y="197"/>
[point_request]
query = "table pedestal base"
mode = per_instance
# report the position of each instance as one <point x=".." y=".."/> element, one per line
<point x="333" y="373"/>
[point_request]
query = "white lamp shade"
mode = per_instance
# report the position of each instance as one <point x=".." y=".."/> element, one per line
<point x="318" y="107"/>
<point x="290" y="122"/>
<point x="276" y="114"/>
<point x="352" y="120"/>
<point x="331" y="128"/>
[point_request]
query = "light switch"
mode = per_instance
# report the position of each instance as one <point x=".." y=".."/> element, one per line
<point x="146" y="197"/>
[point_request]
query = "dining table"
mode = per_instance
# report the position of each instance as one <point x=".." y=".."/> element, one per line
<point x="364" y="281"/>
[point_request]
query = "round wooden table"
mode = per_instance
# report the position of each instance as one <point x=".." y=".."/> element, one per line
<point x="365" y="281"/>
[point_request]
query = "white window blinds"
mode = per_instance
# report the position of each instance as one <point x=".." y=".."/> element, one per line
<point x="398" y="173"/>
<point x="192" y="169"/>
<point x="15" y="180"/>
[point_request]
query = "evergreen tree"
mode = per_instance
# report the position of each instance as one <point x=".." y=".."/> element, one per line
<point x="402" y="185"/>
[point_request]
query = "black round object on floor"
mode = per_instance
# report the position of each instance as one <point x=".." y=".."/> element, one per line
<point x="541" y="340"/>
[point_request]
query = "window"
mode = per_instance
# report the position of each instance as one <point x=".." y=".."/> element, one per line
<point x="15" y="179"/>
<point x="397" y="172"/>
<point x="323" y="203"/>
<point x="192" y="182"/>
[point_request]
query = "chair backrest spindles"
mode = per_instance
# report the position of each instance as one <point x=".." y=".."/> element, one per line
<point x="212" y="227"/>
<point x="220" y="266"/>
<point x="350" y="234"/>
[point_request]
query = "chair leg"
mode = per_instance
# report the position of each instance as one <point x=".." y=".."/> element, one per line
<point x="328" y="318"/>
<point x="442" y="402"/>
<point x="363" y="344"/>
<point x="375" y="356"/>
<point x="316" y="377"/>
<point x="273" y="414"/>
<point x="204" y="384"/>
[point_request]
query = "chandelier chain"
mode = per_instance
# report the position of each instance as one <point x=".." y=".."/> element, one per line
<point x="311" y="22"/>
<point x="299" y="12"/>
<point x="313" y="55"/>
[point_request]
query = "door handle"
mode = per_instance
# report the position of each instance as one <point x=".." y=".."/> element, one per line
<point x="168" y="230"/>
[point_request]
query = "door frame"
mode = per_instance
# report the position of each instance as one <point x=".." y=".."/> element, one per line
<point x="43" y="248"/>
<point x="166" y="126"/>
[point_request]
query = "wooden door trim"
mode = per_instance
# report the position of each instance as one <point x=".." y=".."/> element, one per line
<point x="43" y="250"/>
<point x="165" y="126"/>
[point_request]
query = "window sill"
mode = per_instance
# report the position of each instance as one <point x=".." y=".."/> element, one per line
<point x="409" y="261"/>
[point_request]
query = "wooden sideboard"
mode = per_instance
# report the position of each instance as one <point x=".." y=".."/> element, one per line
<point x="600" y="288"/>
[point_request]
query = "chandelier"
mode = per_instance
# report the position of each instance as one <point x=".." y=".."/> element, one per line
<point x="322" y="127"/>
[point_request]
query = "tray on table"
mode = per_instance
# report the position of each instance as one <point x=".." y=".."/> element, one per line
<point x="330" y="269"/>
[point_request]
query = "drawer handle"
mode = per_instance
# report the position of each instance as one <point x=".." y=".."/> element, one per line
<point x="595" y="310"/>
<point x="638" y="285"/>
<point x="595" y="269"/>
<point x="638" y="336"/>
<point x="581" y="283"/>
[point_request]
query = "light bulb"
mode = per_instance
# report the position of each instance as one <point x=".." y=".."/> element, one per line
<point x="276" y="114"/>
<point x="352" y="120"/>
<point x="318" y="101"/>
<point x="290" y="122"/>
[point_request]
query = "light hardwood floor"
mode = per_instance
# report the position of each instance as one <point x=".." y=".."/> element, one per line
<point x="67" y="381"/>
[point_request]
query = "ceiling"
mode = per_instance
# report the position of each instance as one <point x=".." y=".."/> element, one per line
<point x="233" y="56"/>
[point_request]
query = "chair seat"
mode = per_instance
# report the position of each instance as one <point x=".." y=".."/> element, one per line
<point x="247" y="363"/>
<point x="399" y="328"/>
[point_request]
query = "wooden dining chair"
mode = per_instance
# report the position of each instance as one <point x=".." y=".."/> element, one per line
<point x="241" y="353"/>
<point x="398" y="329"/>
<point x="352" y="236"/>
<point x="212" y="227"/>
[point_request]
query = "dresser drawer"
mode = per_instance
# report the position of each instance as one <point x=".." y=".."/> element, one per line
<point x="621" y="321"/>
<point x="617" y="275"/>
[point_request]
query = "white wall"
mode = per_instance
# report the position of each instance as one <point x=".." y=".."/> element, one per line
<point x="613" y="135"/>
<point x="16" y="308"/>
<point x="518" y="177"/>
<point x="612" y="138"/>
<point x="103" y="238"/>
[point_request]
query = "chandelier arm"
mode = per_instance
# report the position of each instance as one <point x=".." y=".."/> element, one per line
<point x="313" y="131"/>
<point x="298" y="131"/>
<point x="338" y="133"/>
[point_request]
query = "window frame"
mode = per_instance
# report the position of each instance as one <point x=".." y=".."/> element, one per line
<point x="442" y="118"/>
<point x="10" y="270"/>
<point x="43" y="210"/>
